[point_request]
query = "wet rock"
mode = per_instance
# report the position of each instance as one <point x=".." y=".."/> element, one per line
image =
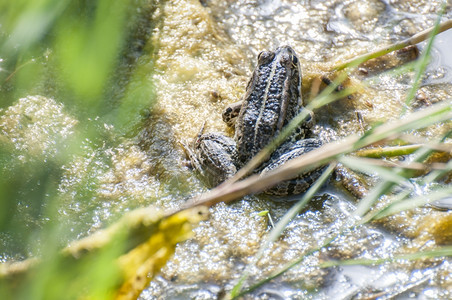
<point x="441" y="229"/>
<point x="364" y="14"/>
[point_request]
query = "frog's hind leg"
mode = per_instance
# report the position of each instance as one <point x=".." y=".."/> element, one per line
<point x="213" y="156"/>
<point x="304" y="180"/>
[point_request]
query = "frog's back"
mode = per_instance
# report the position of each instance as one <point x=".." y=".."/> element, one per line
<point x="272" y="99"/>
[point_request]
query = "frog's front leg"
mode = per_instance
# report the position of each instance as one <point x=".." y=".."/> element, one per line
<point x="231" y="112"/>
<point x="285" y="153"/>
<point x="213" y="157"/>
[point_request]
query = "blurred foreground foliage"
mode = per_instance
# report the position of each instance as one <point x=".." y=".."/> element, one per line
<point x="85" y="56"/>
<point x="114" y="263"/>
<point x="76" y="51"/>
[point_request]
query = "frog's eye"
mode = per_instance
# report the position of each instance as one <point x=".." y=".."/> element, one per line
<point x="262" y="54"/>
<point x="265" y="56"/>
<point x="294" y="60"/>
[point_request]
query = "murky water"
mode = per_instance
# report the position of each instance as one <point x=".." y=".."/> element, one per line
<point x="205" y="52"/>
<point x="321" y="32"/>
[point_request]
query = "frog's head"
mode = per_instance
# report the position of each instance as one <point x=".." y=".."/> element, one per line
<point x="287" y="57"/>
<point x="284" y="57"/>
<point x="284" y="54"/>
<point x="280" y="65"/>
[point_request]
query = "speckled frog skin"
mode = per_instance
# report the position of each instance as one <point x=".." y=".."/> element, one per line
<point x="272" y="99"/>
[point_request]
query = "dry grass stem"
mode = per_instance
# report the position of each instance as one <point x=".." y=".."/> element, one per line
<point x="227" y="191"/>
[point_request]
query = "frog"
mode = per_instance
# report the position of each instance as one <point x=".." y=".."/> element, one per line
<point x="272" y="99"/>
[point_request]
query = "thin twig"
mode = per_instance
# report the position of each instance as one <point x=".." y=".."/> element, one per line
<point x="16" y="71"/>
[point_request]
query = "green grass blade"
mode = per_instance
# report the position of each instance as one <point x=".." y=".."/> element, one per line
<point x="439" y="252"/>
<point x="386" y="174"/>
<point x="423" y="61"/>
<point x="414" y="202"/>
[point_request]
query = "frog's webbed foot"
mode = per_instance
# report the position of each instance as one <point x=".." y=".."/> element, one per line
<point x="351" y="181"/>
<point x="309" y="122"/>
<point x="213" y="157"/>
<point x="304" y="180"/>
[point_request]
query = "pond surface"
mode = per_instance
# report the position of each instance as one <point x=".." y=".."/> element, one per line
<point x="204" y="54"/>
